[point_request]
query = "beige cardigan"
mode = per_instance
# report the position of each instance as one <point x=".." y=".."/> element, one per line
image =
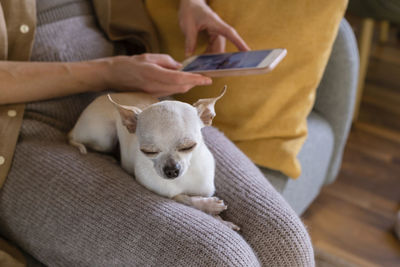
<point x="120" y="20"/>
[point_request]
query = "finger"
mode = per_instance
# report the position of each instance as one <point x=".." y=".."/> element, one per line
<point x="216" y="44"/>
<point x="163" y="60"/>
<point x="231" y="34"/>
<point x="191" y="40"/>
<point x="173" y="77"/>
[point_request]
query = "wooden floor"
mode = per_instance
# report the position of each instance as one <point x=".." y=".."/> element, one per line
<point x="353" y="218"/>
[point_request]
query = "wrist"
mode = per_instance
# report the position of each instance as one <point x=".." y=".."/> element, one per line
<point x="102" y="73"/>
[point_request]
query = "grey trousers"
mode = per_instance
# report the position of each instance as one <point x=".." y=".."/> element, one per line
<point x="68" y="209"/>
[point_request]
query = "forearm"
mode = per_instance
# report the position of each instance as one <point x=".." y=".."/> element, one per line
<point x="30" y="81"/>
<point x="154" y="74"/>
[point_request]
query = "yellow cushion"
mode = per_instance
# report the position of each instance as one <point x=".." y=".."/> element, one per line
<point x="265" y="115"/>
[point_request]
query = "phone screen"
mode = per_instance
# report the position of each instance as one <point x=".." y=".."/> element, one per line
<point x="237" y="60"/>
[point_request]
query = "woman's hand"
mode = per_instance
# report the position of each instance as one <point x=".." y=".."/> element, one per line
<point x="195" y="16"/>
<point x="156" y="74"/>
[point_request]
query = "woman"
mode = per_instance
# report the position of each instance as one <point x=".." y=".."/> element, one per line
<point x="67" y="209"/>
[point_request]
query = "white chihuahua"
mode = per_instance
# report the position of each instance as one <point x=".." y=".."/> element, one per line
<point x="160" y="143"/>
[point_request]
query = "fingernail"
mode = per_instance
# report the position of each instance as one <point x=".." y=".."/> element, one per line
<point x="207" y="81"/>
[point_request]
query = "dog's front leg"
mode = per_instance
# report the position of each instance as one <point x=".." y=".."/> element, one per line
<point x="210" y="205"/>
<point x="227" y="223"/>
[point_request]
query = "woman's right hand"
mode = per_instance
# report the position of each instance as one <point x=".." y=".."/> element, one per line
<point x="156" y="74"/>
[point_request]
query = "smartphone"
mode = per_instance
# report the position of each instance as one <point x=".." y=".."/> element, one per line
<point x="235" y="64"/>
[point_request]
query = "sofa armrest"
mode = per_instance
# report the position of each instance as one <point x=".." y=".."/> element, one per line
<point x="337" y="92"/>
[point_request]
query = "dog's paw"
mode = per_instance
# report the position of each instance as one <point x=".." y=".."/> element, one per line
<point x="80" y="146"/>
<point x="227" y="223"/>
<point x="210" y="205"/>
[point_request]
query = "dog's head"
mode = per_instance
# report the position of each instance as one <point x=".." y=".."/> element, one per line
<point x="169" y="132"/>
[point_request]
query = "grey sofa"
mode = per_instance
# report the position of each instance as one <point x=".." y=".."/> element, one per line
<point x="328" y="126"/>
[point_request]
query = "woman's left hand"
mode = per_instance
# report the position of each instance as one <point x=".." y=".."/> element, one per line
<point x="195" y="16"/>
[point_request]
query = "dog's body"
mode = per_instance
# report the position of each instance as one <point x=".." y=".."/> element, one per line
<point x="160" y="143"/>
<point x="96" y="127"/>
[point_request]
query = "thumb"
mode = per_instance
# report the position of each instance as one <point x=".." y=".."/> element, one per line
<point x="191" y="40"/>
<point x="166" y="61"/>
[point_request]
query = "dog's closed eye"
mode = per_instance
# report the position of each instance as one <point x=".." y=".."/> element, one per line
<point x="149" y="153"/>
<point x="187" y="148"/>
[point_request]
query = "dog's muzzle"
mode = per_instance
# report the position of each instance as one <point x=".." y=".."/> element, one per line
<point x="172" y="171"/>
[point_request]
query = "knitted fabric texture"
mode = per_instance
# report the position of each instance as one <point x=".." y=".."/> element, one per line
<point x="68" y="209"/>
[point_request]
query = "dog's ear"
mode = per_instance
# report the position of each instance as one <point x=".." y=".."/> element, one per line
<point x="205" y="108"/>
<point x="128" y="115"/>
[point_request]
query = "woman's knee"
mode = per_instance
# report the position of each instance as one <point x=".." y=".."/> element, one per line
<point x="272" y="229"/>
<point x="283" y="240"/>
<point x="202" y="241"/>
<point x="268" y="224"/>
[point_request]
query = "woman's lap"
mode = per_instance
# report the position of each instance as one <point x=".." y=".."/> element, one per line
<point x="66" y="208"/>
<point x="69" y="209"/>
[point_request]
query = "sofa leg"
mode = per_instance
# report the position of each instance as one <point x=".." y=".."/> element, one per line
<point x="364" y="45"/>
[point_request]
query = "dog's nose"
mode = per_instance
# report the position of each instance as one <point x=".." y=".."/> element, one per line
<point x="172" y="171"/>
